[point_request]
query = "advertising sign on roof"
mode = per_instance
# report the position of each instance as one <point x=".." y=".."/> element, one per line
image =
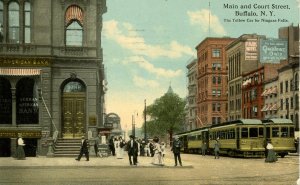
<point x="273" y="50"/>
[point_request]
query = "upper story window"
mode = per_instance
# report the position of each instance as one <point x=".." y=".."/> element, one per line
<point x="1" y="21"/>
<point x="74" y="26"/>
<point x="27" y="22"/>
<point x="216" y="53"/>
<point x="13" y="23"/>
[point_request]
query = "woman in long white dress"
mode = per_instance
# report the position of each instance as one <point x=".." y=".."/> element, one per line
<point x="157" y="158"/>
<point x="117" y="148"/>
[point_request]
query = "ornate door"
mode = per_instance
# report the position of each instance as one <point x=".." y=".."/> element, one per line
<point x="73" y="115"/>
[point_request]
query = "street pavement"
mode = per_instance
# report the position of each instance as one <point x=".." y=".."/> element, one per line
<point x="196" y="170"/>
<point x="110" y="161"/>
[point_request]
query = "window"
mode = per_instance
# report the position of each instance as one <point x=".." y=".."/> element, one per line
<point x="284" y="131"/>
<point x="244" y="133"/>
<point x="74" y="26"/>
<point x="286" y="86"/>
<point x="216" y="66"/>
<point x="216" y="107"/>
<point x="275" y="132"/>
<point x="1" y="21"/>
<point x="27" y="23"/>
<point x="253" y="132"/>
<point x="13" y="22"/>
<point x="292" y="132"/>
<point x="292" y="103"/>
<point x="216" y="53"/>
<point x="281" y="87"/>
<point x="296" y="81"/>
<point x="291" y="85"/>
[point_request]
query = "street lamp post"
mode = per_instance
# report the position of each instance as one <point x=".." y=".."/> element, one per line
<point x="145" y="136"/>
<point x="133" y="126"/>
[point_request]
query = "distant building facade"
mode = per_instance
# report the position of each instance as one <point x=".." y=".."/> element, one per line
<point x="191" y="107"/>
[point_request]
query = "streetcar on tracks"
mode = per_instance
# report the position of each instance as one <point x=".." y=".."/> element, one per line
<point x="244" y="137"/>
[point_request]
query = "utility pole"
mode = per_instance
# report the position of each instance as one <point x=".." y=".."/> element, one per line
<point x="145" y="136"/>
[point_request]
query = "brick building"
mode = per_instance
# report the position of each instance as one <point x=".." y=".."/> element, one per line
<point x="212" y="81"/>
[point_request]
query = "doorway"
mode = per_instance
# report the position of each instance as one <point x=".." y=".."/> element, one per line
<point x="73" y="110"/>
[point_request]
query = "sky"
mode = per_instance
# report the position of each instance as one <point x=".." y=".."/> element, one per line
<point x="147" y="44"/>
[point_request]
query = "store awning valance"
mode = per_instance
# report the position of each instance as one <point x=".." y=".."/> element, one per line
<point x="19" y="72"/>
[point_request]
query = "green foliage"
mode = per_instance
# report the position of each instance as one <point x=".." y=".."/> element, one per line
<point x="167" y="115"/>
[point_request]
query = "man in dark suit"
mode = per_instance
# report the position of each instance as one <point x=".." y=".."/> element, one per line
<point x="176" y="150"/>
<point x="132" y="148"/>
<point x="84" y="149"/>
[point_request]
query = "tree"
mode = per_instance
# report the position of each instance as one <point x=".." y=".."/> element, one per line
<point x="166" y="115"/>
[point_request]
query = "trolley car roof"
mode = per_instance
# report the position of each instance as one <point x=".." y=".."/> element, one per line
<point x="240" y="122"/>
<point x="277" y="121"/>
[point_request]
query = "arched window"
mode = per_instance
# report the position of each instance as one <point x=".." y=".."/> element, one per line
<point x="74" y="26"/>
<point x="27" y="22"/>
<point x="1" y="21"/>
<point x="5" y="102"/>
<point x="13" y="22"/>
<point x="74" y="86"/>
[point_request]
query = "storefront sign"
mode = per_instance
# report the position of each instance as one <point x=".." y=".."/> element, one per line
<point x="13" y="133"/>
<point x="24" y="62"/>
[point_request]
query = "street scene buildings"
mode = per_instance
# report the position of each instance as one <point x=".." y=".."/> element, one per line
<point x="237" y="81"/>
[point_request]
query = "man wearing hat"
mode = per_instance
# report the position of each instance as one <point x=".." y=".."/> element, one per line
<point x="84" y="149"/>
<point x="132" y="148"/>
<point x="176" y="150"/>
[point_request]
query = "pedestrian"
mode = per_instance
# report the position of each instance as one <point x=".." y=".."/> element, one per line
<point x="203" y="148"/>
<point x="217" y="149"/>
<point x="122" y="147"/>
<point x="20" y="154"/>
<point x="157" y="158"/>
<point x="111" y="145"/>
<point x="147" y="149"/>
<point x="97" y="140"/>
<point x="117" y="144"/>
<point x="84" y="149"/>
<point x="176" y="150"/>
<point x="271" y="153"/>
<point x="132" y="148"/>
<point x="163" y="149"/>
<point x="296" y="142"/>
<point x="151" y="146"/>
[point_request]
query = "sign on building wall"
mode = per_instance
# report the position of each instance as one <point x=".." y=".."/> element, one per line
<point x="251" y="49"/>
<point x="273" y="50"/>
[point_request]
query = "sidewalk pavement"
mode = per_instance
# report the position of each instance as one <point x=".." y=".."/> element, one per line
<point x="111" y="161"/>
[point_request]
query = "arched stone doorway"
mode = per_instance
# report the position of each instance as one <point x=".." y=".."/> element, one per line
<point x="73" y="109"/>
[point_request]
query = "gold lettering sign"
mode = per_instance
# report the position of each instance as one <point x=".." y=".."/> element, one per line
<point x="25" y="62"/>
<point x="25" y="133"/>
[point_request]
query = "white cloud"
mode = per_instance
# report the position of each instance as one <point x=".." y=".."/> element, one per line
<point x="141" y="82"/>
<point x="144" y="64"/>
<point x="128" y="37"/>
<point x="201" y="18"/>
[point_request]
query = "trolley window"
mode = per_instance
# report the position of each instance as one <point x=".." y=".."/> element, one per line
<point x="244" y="133"/>
<point x="284" y="131"/>
<point x="231" y="134"/>
<point x="275" y="132"/>
<point x="292" y="132"/>
<point x="253" y="132"/>
<point x="260" y="132"/>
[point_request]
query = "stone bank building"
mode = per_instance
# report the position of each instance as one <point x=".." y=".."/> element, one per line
<point x="52" y="80"/>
